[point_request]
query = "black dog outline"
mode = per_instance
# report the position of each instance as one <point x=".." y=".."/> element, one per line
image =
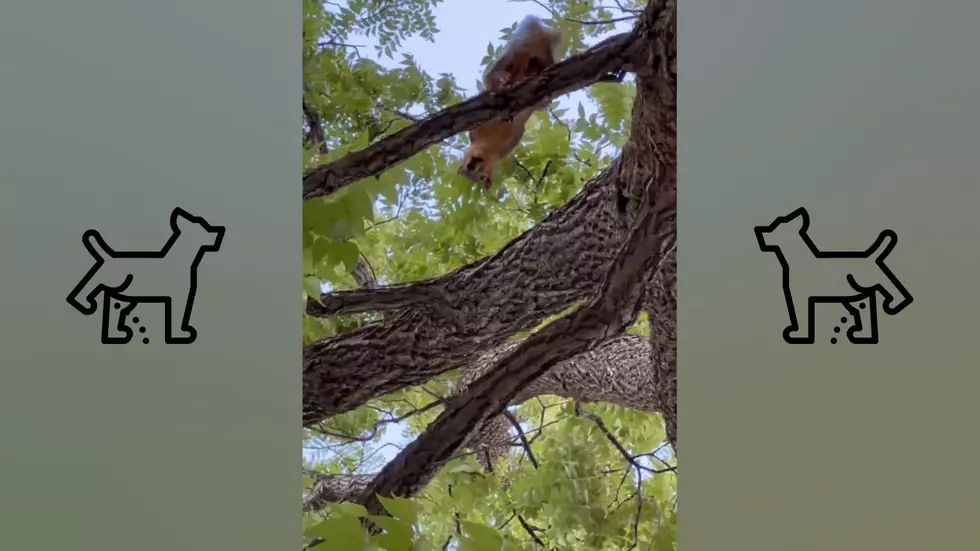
<point x="92" y="236"/>
<point x="847" y="301"/>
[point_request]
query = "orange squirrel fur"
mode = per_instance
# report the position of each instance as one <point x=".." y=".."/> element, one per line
<point x="529" y="52"/>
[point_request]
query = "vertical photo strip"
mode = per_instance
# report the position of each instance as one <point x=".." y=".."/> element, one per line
<point x="489" y="275"/>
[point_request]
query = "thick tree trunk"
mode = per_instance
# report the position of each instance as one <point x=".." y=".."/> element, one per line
<point x="617" y="372"/>
<point x="449" y="321"/>
<point x="469" y="311"/>
<point x="334" y="489"/>
<point x="566" y="258"/>
<point x="652" y="150"/>
<point x="614" y="307"/>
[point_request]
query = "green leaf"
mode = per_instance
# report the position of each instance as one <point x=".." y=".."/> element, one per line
<point x="481" y="537"/>
<point x="346" y="253"/>
<point x="349" y="509"/>
<point x="398" y="535"/>
<point x="319" y="251"/>
<point x="311" y="286"/>
<point x="359" y="204"/>
<point x="400" y="508"/>
<point x="340" y="532"/>
<point x="308" y="265"/>
<point x="316" y="217"/>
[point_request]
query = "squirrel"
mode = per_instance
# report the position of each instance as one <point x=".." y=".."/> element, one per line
<point x="529" y="52"/>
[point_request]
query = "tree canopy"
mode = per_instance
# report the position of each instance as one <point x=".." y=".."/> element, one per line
<point x="489" y="370"/>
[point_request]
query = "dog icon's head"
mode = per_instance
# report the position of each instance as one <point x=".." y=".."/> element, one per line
<point x="196" y="229"/>
<point x="783" y="229"/>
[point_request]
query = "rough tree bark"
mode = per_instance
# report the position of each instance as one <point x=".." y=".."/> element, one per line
<point x="616" y="372"/>
<point x="469" y="311"/>
<point x="572" y="74"/>
<point x="652" y="150"/>
<point x="443" y="323"/>
<point x="334" y="488"/>
<point x="610" y="313"/>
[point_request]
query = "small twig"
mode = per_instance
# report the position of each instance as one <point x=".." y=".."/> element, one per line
<point x="604" y="22"/>
<point x="544" y="172"/>
<point x="335" y="44"/>
<point x="506" y="522"/>
<point x="612" y="439"/>
<point x="625" y="9"/>
<point x="568" y="129"/>
<point x="520" y="434"/>
<point x="639" y="510"/>
<point x="522" y="167"/>
<point x="529" y="530"/>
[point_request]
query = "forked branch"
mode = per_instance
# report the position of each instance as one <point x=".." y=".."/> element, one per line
<point x="610" y="312"/>
<point x="571" y="74"/>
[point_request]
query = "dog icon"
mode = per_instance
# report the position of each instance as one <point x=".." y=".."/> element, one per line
<point x="850" y="278"/>
<point x="122" y="276"/>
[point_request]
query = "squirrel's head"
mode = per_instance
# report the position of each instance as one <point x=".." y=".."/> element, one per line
<point x="475" y="168"/>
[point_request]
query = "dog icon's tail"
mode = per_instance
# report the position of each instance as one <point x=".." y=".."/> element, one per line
<point x="883" y="245"/>
<point x="96" y="246"/>
<point x="896" y="295"/>
<point x="87" y="288"/>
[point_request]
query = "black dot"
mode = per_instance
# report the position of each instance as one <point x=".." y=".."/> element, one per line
<point x="862" y="306"/>
<point x="146" y="341"/>
<point x="836" y="329"/>
<point x="136" y="320"/>
<point x="843" y="320"/>
<point x="116" y="305"/>
<point x="832" y="341"/>
<point x="142" y="329"/>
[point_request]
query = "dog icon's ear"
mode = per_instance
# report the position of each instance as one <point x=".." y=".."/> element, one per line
<point x="799" y="217"/>
<point x="179" y="218"/>
<point x="800" y="213"/>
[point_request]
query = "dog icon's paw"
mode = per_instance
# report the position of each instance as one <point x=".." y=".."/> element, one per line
<point x="187" y="334"/>
<point x="795" y="334"/>
<point x="86" y="307"/>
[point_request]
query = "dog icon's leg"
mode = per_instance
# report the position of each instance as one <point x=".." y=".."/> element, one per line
<point x="179" y="329"/>
<point x="114" y="328"/>
<point x="84" y="296"/>
<point x="896" y="297"/>
<point x="800" y="317"/>
<point x="865" y="314"/>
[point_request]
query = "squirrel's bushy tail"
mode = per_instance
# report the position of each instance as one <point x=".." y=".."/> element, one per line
<point x="531" y="28"/>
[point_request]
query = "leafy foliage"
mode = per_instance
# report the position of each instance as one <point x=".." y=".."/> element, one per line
<point x="591" y="477"/>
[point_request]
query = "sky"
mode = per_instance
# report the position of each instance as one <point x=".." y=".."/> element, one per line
<point x="458" y="48"/>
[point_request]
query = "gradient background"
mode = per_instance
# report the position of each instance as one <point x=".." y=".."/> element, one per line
<point x="865" y="112"/>
<point x="111" y="114"/>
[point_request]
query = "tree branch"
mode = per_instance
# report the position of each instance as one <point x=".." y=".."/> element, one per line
<point x="333" y="488"/>
<point x="610" y="312"/>
<point x="655" y="110"/>
<point x="558" y="262"/>
<point x="569" y="75"/>
<point x="383" y="299"/>
<point x="616" y="371"/>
